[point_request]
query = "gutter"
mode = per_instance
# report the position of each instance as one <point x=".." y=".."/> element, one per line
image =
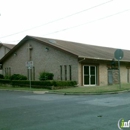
<point x="97" y="58"/>
<point x="82" y="60"/>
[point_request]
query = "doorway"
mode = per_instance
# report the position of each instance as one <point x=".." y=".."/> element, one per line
<point x="89" y="75"/>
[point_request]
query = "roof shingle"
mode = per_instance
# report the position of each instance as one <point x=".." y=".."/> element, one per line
<point x="78" y="49"/>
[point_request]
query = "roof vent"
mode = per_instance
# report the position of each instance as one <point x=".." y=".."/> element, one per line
<point x="52" y="41"/>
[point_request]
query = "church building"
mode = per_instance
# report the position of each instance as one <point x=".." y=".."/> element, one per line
<point x="89" y="65"/>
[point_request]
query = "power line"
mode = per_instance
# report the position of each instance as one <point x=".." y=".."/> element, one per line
<point x="83" y="23"/>
<point x="87" y="22"/>
<point x="57" y="19"/>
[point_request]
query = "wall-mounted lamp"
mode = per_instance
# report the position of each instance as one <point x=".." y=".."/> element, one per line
<point x="15" y="54"/>
<point x="0" y="66"/>
<point x="46" y="49"/>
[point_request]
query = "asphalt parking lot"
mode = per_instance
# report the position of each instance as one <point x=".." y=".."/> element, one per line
<point x="29" y="111"/>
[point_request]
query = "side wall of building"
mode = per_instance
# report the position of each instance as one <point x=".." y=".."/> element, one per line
<point x="51" y="60"/>
<point x="3" y="50"/>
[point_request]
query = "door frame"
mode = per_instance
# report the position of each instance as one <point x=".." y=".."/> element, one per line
<point x="89" y="76"/>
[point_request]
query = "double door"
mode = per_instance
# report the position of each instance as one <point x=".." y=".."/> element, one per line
<point x="89" y="75"/>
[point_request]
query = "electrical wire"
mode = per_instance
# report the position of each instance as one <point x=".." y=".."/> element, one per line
<point x="56" y="20"/>
<point x="87" y="22"/>
<point x="84" y="23"/>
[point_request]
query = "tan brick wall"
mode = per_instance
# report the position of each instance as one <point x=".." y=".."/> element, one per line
<point x="49" y="61"/>
<point x="103" y="76"/>
<point x="123" y="74"/>
<point x="80" y="74"/>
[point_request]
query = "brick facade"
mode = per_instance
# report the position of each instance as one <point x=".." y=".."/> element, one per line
<point x="52" y="59"/>
<point x="49" y="61"/>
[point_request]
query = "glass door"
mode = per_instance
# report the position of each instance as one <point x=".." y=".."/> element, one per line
<point x="89" y="75"/>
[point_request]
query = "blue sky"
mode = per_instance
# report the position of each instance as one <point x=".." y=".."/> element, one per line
<point x="95" y="22"/>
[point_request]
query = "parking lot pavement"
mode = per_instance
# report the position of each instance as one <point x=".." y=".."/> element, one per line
<point x="30" y="111"/>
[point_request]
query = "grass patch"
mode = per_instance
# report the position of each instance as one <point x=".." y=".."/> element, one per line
<point x="94" y="89"/>
<point x="75" y="90"/>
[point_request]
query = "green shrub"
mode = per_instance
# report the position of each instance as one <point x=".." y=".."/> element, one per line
<point x="19" y="83"/>
<point x="1" y="76"/>
<point x="7" y="77"/>
<point x="40" y="84"/>
<point x="18" y="77"/>
<point x="46" y="76"/>
<point x="64" y="83"/>
<point x="5" y="81"/>
<point x="34" y="84"/>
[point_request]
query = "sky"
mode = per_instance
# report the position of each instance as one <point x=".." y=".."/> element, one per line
<point x="94" y="22"/>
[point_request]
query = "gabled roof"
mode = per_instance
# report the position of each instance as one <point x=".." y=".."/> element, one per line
<point x="78" y="49"/>
<point x="10" y="46"/>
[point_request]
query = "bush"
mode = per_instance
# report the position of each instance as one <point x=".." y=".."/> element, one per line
<point x="7" y="77"/>
<point x="46" y="76"/>
<point x="1" y="76"/>
<point x="18" y="77"/>
<point x="20" y="83"/>
<point x="40" y="84"/>
<point x="64" y="83"/>
<point x="5" y="81"/>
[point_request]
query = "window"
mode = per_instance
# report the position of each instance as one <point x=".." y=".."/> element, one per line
<point x="70" y="75"/>
<point x="28" y="73"/>
<point x="31" y="73"/>
<point x="128" y="75"/>
<point x="7" y="71"/>
<point x="65" y="67"/>
<point x="60" y="72"/>
<point x="65" y="72"/>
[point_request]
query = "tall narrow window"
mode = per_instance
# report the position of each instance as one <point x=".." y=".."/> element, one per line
<point x="70" y="75"/>
<point x="5" y="72"/>
<point x="31" y="76"/>
<point x="9" y="71"/>
<point x="33" y="73"/>
<point x="60" y="72"/>
<point x="28" y="73"/>
<point x="65" y="67"/>
<point x="128" y="75"/>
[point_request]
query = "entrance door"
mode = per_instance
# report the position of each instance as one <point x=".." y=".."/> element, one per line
<point x="89" y="75"/>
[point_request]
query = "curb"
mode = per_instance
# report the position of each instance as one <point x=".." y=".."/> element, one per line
<point x="90" y="93"/>
<point x="40" y="92"/>
<point x="47" y="92"/>
<point x="35" y="92"/>
<point x="16" y="90"/>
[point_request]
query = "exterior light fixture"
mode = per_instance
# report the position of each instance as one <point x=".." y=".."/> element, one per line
<point x="15" y="54"/>
<point x="47" y="49"/>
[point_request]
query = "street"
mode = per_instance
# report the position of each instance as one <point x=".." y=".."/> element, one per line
<point x="29" y="111"/>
